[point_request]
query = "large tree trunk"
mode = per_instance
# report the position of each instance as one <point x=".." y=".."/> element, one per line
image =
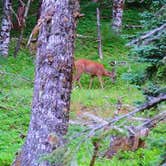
<point x="53" y="79"/>
<point x="5" y="28"/>
<point x="117" y="14"/>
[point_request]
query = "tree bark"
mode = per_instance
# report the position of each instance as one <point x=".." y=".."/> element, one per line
<point x="117" y="14"/>
<point x="53" y="80"/>
<point x="5" y="28"/>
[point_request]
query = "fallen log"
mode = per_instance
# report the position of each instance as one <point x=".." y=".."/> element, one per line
<point x="134" y="141"/>
<point x="153" y="122"/>
<point x="144" y="38"/>
<point x="147" y="105"/>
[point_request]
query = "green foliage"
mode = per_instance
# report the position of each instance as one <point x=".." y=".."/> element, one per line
<point x="157" y="140"/>
<point x="140" y="4"/>
<point x="134" y="78"/>
<point x="152" y="89"/>
<point x="153" y="54"/>
<point x="15" y="101"/>
<point x="16" y="87"/>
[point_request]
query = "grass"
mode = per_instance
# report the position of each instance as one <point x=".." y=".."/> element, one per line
<point x="16" y="90"/>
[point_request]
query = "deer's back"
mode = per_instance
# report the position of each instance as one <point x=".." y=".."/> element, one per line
<point x="89" y="67"/>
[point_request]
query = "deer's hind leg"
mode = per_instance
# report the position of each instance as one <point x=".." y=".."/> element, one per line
<point x="91" y="81"/>
<point x="101" y="81"/>
<point x="76" y="78"/>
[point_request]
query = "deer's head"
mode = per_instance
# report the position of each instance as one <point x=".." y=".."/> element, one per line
<point x="112" y="75"/>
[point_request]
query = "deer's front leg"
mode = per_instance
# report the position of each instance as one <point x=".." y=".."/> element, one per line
<point x="101" y="81"/>
<point x="91" y="80"/>
<point x="77" y="78"/>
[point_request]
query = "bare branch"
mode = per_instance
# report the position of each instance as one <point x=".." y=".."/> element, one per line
<point x="147" y="105"/>
<point x="147" y="35"/>
<point x="152" y="122"/>
<point x="133" y="26"/>
<point x="15" y="16"/>
<point x="139" y="119"/>
<point x="22" y="30"/>
<point x="83" y="36"/>
<point x="22" y="3"/>
<point x="133" y="141"/>
<point x="95" y="118"/>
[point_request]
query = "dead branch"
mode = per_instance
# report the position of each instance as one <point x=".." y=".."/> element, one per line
<point x="125" y="143"/>
<point x="147" y="105"/>
<point x="134" y="140"/>
<point x="22" y="3"/>
<point x="22" y="30"/>
<point x="133" y="26"/>
<point x="35" y="31"/>
<point x="147" y="35"/>
<point x="150" y="40"/>
<point x="95" y="152"/>
<point x="83" y="36"/>
<point x="161" y="11"/>
<point x="81" y="123"/>
<point x="81" y="15"/>
<point x="95" y="118"/>
<point x="37" y="27"/>
<point x="139" y="119"/>
<point x="152" y="122"/>
<point x="74" y="122"/>
<point x="18" y="20"/>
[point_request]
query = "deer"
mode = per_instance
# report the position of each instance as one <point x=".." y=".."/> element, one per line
<point x="93" y="69"/>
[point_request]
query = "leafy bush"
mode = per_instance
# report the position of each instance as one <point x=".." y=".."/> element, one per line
<point x="154" y="55"/>
<point x="134" y="78"/>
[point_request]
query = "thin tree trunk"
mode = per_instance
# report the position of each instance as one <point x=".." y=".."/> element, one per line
<point x="117" y="14"/>
<point x="95" y="152"/>
<point x="22" y="29"/>
<point x="99" y="34"/>
<point x="5" y="28"/>
<point x="53" y="80"/>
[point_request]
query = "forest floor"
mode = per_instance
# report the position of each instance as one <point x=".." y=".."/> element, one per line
<point x="16" y="91"/>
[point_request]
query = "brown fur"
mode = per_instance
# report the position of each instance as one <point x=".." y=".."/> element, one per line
<point x="93" y="69"/>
